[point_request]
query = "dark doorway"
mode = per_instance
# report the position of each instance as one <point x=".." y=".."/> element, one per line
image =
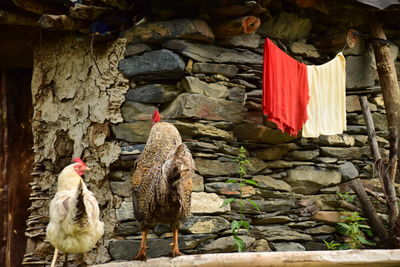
<point x="16" y="158"/>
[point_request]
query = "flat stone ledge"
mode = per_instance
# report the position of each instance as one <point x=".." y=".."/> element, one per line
<point x="365" y="258"/>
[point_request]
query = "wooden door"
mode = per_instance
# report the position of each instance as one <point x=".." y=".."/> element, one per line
<point x="16" y="158"/>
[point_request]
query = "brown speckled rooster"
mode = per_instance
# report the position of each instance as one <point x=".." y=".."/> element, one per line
<point x="162" y="182"/>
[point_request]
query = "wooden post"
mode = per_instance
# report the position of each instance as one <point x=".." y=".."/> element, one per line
<point x="391" y="96"/>
<point x="369" y="210"/>
<point x="3" y="162"/>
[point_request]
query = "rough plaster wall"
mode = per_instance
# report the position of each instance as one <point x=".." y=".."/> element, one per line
<point x="73" y="108"/>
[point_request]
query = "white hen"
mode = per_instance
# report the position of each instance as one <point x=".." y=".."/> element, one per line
<point x="74" y="225"/>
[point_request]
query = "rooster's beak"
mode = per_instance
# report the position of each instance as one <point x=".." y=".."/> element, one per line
<point x="87" y="168"/>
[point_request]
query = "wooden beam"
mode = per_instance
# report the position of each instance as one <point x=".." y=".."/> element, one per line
<point x="37" y="7"/>
<point x="61" y="22"/>
<point x="14" y="18"/>
<point x="85" y="12"/>
<point x="247" y="24"/>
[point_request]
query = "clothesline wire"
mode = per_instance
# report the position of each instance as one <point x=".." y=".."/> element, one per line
<point x="344" y="47"/>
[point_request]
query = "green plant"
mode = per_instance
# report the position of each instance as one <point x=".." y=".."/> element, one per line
<point x="354" y="230"/>
<point x="332" y="245"/>
<point x="347" y="197"/>
<point x="237" y="225"/>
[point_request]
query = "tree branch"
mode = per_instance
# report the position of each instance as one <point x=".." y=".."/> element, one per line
<point x="369" y="210"/>
<point x="370" y="128"/>
<point x="376" y="196"/>
<point x="348" y="206"/>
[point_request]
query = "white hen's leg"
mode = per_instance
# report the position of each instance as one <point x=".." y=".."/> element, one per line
<point x="53" y="262"/>
<point x="65" y="260"/>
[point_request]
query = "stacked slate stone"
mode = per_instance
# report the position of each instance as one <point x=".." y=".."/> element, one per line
<point x="209" y="87"/>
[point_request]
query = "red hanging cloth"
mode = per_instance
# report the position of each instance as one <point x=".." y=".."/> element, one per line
<point x="285" y="89"/>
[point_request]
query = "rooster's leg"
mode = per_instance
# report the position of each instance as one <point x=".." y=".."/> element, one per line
<point x="175" y="245"/>
<point x="53" y="262"/>
<point x="141" y="255"/>
<point x="65" y="260"/>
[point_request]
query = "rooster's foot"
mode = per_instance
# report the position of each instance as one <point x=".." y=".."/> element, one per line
<point x="140" y="257"/>
<point x="176" y="253"/>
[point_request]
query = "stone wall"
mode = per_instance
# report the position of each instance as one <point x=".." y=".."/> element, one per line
<point x="209" y="87"/>
<point x="212" y="93"/>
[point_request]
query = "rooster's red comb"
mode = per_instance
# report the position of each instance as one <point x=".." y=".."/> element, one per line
<point x="156" y="116"/>
<point x="78" y="160"/>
